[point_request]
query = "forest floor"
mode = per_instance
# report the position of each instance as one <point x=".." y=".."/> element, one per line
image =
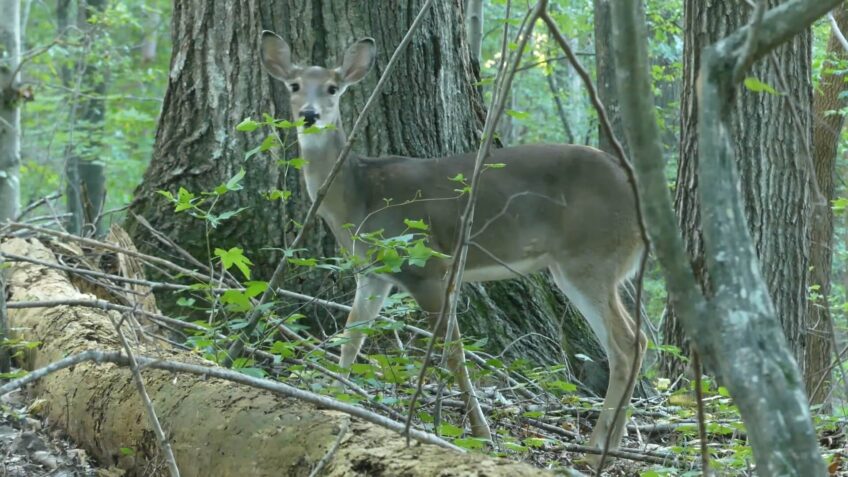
<point x="542" y="429"/>
<point x="29" y="448"/>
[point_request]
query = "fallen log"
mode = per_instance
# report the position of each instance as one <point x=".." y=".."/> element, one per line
<point x="216" y="427"/>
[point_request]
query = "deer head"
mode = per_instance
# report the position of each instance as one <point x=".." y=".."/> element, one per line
<point x="314" y="90"/>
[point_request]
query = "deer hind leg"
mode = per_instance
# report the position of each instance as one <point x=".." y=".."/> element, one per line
<point x="596" y="296"/>
<point x="430" y="297"/>
<point x="371" y="292"/>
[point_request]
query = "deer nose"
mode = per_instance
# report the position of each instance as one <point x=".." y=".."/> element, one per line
<point x="310" y="116"/>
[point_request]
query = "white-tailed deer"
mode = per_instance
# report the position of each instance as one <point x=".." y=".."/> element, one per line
<point x="565" y="208"/>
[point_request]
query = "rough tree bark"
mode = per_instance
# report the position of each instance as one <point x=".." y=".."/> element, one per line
<point x="216" y="428"/>
<point x="772" y="140"/>
<point x="430" y="107"/>
<point x="827" y="129"/>
<point x="10" y="132"/>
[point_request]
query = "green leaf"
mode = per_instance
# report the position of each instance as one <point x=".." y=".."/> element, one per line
<point x="457" y="178"/>
<point x="449" y="430"/>
<point x="235" y="182"/>
<point x="520" y="115"/>
<point x="416" y="224"/>
<point x="535" y="442"/>
<point x="236" y="300"/>
<point x="515" y="447"/>
<point x="255" y="288"/>
<point x="303" y="262"/>
<point x="185" y="200"/>
<point x="235" y="256"/>
<point x="127" y="451"/>
<point x="247" y="125"/>
<point x="471" y="443"/>
<point x="757" y="86"/>
<point x="253" y="372"/>
<point x="562" y="386"/>
<point x="278" y="194"/>
<point x="840" y="204"/>
<point x="298" y="162"/>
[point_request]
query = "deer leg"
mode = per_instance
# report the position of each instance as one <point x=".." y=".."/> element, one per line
<point x="596" y="296"/>
<point x="370" y="294"/>
<point x="430" y="297"/>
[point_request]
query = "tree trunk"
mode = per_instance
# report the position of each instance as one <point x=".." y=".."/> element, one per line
<point x="85" y="191"/>
<point x="10" y="129"/>
<point x="827" y="128"/>
<point x="771" y="139"/>
<point x="474" y="13"/>
<point x="215" y="427"/>
<point x="605" y="71"/>
<point x="430" y="108"/>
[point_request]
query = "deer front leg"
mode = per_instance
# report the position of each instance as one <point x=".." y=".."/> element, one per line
<point x="430" y="296"/>
<point x="371" y="292"/>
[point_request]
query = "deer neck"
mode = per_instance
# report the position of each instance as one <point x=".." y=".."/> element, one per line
<point x="321" y="150"/>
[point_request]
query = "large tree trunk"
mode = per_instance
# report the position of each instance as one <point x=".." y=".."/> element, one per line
<point x="772" y="138"/>
<point x="10" y="129"/>
<point x="827" y="128"/>
<point x="216" y="427"/>
<point x="430" y="108"/>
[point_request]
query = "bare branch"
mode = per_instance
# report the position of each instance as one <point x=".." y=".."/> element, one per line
<point x="163" y="441"/>
<point x="837" y="32"/>
<point x="460" y="251"/>
<point x="745" y="58"/>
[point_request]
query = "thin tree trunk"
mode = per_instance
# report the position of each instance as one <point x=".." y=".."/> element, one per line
<point x="85" y="191"/>
<point x="10" y="126"/>
<point x="605" y="71"/>
<point x="736" y="328"/>
<point x="827" y="127"/>
<point x="771" y="139"/>
<point x="474" y="14"/>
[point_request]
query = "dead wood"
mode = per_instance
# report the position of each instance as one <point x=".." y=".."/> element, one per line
<point x="216" y="428"/>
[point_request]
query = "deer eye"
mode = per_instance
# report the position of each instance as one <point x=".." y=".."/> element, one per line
<point x="295" y="87"/>
<point x="332" y="89"/>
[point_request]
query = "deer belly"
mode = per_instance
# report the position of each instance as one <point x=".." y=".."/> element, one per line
<point x="491" y="269"/>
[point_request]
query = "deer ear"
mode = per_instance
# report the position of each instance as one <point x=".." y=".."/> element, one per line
<point x="276" y="57"/>
<point x="358" y="60"/>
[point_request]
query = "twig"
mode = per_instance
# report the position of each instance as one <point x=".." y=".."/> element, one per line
<point x="330" y="452"/>
<point x="276" y="277"/>
<point x="5" y="361"/>
<point x="162" y="319"/>
<point x="837" y="32"/>
<point x="108" y="246"/>
<point x="275" y="387"/>
<point x="702" y="424"/>
<point x="619" y="454"/>
<point x="36" y="204"/>
<point x="631" y="178"/>
<point x="164" y="443"/>
<point x="460" y="251"/>
<point x="745" y="59"/>
<point x="551" y="428"/>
